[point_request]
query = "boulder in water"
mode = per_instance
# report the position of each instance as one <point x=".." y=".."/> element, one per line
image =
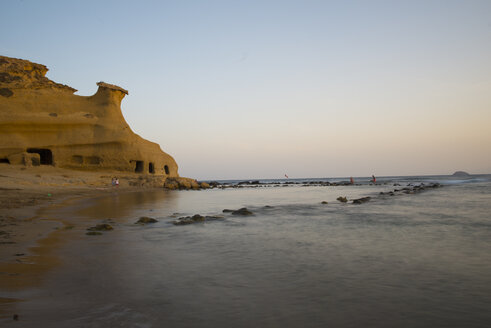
<point x="189" y="220"/>
<point x="145" y="220"/>
<point x="361" y="200"/>
<point x="242" y="211"/>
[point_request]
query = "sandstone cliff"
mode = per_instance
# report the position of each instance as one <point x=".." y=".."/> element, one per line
<point x="44" y="123"/>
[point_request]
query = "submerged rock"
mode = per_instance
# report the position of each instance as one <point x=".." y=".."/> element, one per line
<point x="101" y="227"/>
<point x="342" y="199"/>
<point x="214" y="217"/>
<point x="145" y="220"/>
<point x="94" y="233"/>
<point x="242" y="211"/>
<point x="361" y="200"/>
<point x="227" y="210"/>
<point x="182" y="221"/>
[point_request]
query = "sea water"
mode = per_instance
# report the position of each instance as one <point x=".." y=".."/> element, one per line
<point x="410" y="260"/>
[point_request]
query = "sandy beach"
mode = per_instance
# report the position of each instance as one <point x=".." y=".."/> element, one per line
<point x="27" y="235"/>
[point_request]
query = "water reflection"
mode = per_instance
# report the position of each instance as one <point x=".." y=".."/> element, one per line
<point x="118" y="205"/>
<point x="414" y="260"/>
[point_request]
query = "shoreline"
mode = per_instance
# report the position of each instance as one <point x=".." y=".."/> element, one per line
<point x="29" y="251"/>
<point x="51" y="275"/>
<point x="28" y="236"/>
<point x="23" y="201"/>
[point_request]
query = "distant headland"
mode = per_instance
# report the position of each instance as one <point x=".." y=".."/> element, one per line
<point x="461" y="174"/>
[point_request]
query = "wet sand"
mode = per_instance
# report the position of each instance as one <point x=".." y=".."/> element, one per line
<point x="29" y="237"/>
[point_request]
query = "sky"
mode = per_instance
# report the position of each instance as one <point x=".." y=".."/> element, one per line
<point x="259" y="89"/>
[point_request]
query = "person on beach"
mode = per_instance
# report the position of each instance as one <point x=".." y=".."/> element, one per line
<point x="373" y="179"/>
<point x="113" y="181"/>
<point x="116" y="182"/>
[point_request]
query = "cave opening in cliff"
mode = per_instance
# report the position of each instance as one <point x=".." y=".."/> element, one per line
<point x="4" y="160"/>
<point x="151" y="168"/>
<point x="138" y="166"/>
<point x="166" y="169"/>
<point x="45" y="155"/>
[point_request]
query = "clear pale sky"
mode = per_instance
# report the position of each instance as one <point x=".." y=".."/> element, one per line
<point x="257" y="89"/>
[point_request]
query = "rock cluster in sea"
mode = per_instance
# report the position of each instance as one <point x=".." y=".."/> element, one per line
<point x="185" y="220"/>
<point x="410" y="189"/>
<point x="198" y="218"/>
<point x="179" y="183"/>
<point x="259" y="184"/>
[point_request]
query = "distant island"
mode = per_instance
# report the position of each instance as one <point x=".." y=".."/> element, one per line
<point x="461" y="174"/>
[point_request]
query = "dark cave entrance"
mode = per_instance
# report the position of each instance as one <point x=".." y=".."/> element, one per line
<point x="151" y="168"/>
<point x="138" y="166"/>
<point x="45" y="155"/>
<point x="166" y="169"/>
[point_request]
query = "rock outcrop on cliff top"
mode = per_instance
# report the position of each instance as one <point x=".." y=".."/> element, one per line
<point x="44" y="123"/>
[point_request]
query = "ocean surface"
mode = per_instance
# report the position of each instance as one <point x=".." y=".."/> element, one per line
<point x="408" y="260"/>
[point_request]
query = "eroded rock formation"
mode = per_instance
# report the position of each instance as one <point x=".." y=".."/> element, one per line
<point x="44" y="123"/>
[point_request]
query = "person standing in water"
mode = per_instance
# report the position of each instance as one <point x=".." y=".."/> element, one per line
<point x="351" y="180"/>
<point x="373" y="179"/>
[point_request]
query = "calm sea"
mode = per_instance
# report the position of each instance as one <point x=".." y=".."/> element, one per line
<point x="410" y="260"/>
